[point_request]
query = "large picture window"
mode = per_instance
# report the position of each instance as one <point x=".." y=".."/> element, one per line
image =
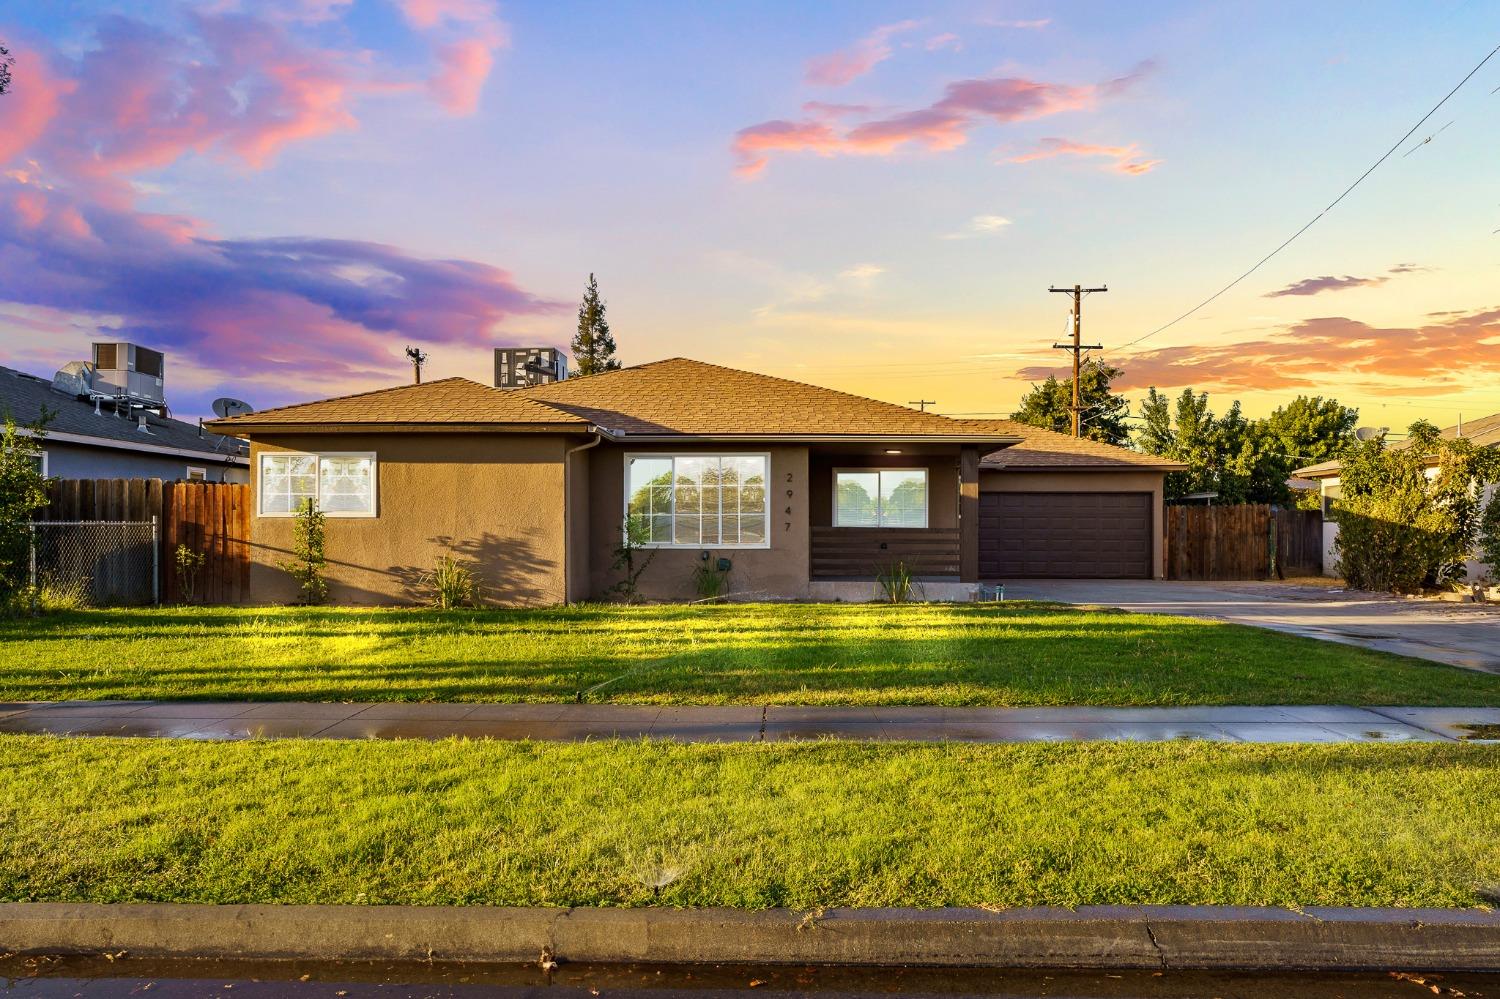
<point x="880" y="497"/>
<point x="343" y="485"/>
<point x="699" y="501"/>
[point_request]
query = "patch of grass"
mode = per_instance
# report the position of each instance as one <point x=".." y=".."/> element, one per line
<point x="821" y="824"/>
<point x="954" y="654"/>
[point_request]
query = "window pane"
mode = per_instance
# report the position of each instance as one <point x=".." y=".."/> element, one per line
<point x="649" y="480"/>
<point x="903" y="499"/>
<point x="688" y="530"/>
<point x="729" y="530"/>
<point x="287" y="481"/>
<point x="753" y="529"/>
<point x="854" y="499"/>
<point x="697" y="471"/>
<point x="348" y="485"/>
<point x="661" y="529"/>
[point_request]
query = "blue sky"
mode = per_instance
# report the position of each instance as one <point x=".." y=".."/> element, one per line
<point x="602" y="137"/>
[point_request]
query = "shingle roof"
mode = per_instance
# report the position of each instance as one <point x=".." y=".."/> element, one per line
<point x="1484" y="431"/>
<point x="447" y="402"/>
<point x="1049" y="450"/>
<point x="692" y="398"/>
<point x="23" y="396"/>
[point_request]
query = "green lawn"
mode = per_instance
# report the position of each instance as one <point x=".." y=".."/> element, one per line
<point x="1011" y="654"/>
<point x="821" y="824"/>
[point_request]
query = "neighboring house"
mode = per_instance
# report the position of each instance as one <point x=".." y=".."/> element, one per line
<point x="804" y="490"/>
<point x="82" y="442"/>
<point x="1485" y="432"/>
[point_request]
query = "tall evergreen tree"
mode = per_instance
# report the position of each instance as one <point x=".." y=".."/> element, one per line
<point x="6" y="62"/>
<point x="1046" y="405"/>
<point x="593" y="344"/>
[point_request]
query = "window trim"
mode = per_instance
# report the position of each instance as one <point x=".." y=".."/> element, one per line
<point x="674" y="455"/>
<point x="42" y="452"/>
<point x="202" y="473"/>
<point x="926" y="498"/>
<point x="260" y="467"/>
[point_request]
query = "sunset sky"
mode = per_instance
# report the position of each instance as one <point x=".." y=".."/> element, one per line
<point x="282" y="194"/>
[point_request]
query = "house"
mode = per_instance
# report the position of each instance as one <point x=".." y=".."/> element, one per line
<point x="85" y="440"/>
<point x="805" y="492"/>
<point x="1485" y="432"/>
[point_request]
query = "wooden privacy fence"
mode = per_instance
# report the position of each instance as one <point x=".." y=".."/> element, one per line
<point x="211" y="518"/>
<point x="1236" y="542"/>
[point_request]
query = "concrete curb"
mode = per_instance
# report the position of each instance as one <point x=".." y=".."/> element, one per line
<point x="1149" y="937"/>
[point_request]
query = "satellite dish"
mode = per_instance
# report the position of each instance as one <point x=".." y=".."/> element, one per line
<point x="226" y="407"/>
<point x="1370" y="433"/>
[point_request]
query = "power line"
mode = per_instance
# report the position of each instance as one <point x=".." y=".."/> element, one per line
<point x="1385" y="156"/>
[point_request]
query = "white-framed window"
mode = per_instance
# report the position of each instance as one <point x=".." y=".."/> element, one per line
<point x="41" y="463"/>
<point x="342" y="483"/>
<point x="699" y="500"/>
<point x="880" y="497"/>
<point x="197" y="474"/>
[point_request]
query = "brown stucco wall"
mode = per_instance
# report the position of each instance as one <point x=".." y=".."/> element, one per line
<point x="494" y="499"/>
<point x="777" y="572"/>
<point x="942" y="482"/>
<point x="1091" y="482"/>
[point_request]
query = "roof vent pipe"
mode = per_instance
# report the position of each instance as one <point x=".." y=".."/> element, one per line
<point x="142" y="427"/>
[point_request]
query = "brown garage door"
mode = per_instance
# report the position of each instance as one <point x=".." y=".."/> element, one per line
<point x="1065" y="535"/>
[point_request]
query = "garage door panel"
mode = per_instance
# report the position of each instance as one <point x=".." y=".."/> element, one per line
<point x="1065" y="535"/>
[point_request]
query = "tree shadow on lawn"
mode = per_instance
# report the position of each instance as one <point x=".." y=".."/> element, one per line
<point x="1143" y="664"/>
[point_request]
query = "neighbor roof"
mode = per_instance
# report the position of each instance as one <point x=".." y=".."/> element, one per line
<point x="1484" y="431"/>
<point x="73" y="420"/>
<point x="1048" y="450"/>
<point x="447" y="402"/>
<point x="682" y="397"/>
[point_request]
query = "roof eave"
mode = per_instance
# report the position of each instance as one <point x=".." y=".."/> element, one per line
<point x="1053" y="467"/>
<point x="625" y="437"/>
<point x="251" y="429"/>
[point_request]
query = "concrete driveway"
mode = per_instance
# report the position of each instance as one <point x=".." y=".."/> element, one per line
<point x="1457" y="634"/>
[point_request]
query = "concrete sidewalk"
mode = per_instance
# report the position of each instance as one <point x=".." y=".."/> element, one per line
<point x="750" y="723"/>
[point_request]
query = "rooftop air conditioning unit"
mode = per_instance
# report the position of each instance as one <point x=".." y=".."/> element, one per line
<point x="520" y="367"/>
<point x="127" y="373"/>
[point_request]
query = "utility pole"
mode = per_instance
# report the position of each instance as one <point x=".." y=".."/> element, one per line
<point x="418" y="358"/>
<point x="922" y="404"/>
<point x="1077" y="347"/>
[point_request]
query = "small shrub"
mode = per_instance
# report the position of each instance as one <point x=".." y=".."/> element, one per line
<point x="23" y="491"/>
<point x="895" y="582"/>
<point x="710" y="582"/>
<point x="452" y="584"/>
<point x="51" y="595"/>
<point x="633" y="556"/>
<point x="189" y="563"/>
<point x="307" y="547"/>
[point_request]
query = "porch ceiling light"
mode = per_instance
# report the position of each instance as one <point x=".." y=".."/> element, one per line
<point x="893" y="450"/>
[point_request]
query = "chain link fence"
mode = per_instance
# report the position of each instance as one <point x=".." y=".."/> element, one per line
<point x="104" y="563"/>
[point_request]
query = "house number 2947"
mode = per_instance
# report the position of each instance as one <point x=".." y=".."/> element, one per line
<point x="789" y="506"/>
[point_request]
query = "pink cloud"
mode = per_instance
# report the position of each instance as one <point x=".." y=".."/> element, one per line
<point x="1457" y="349"/>
<point x="1318" y="285"/>
<point x="79" y="132"/>
<point x="465" y="67"/>
<point x="940" y="126"/>
<point x="1125" y="159"/>
<point x="836" y="69"/>
<point x="946" y="40"/>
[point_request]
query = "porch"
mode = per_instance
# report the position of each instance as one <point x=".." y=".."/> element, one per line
<point x="915" y="505"/>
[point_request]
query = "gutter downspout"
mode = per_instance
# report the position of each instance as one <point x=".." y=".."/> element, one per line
<point x="568" y="511"/>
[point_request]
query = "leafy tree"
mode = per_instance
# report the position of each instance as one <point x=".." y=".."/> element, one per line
<point x="1243" y="460"/>
<point x="1402" y="527"/>
<point x="1047" y="405"/>
<point x="593" y="344"/>
<point x="23" y="491"/>
<point x="1489" y="536"/>
<point x="6" y="62"/>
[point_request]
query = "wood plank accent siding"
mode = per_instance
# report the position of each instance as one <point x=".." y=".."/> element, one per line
<point x="208" y="517"/>
<point x="859" y="552"/>
<point x="1235" y="542"/>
